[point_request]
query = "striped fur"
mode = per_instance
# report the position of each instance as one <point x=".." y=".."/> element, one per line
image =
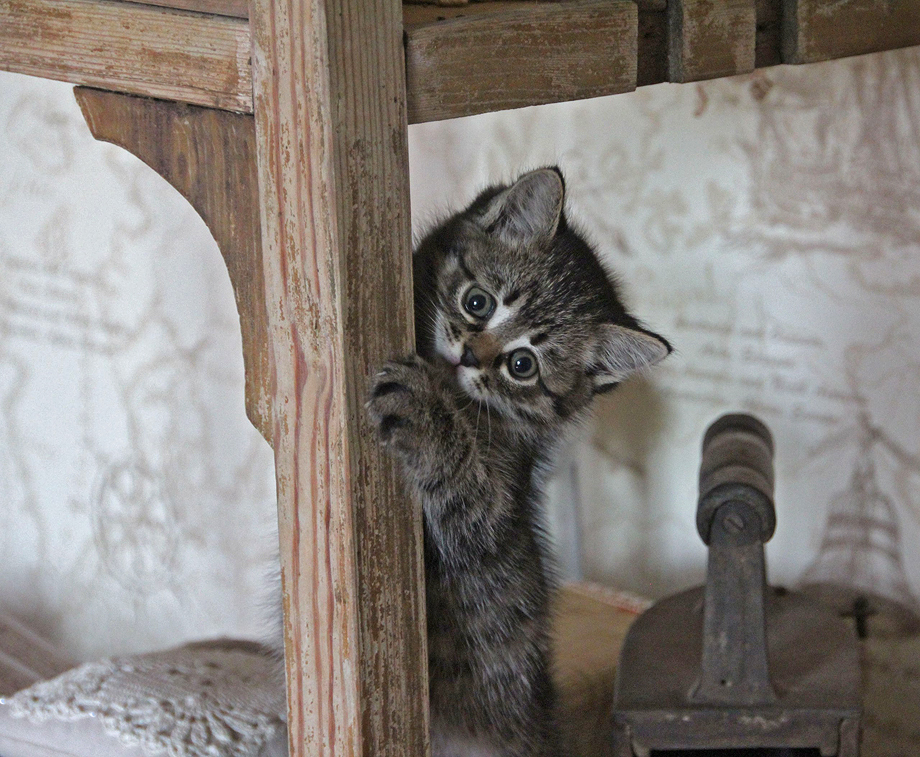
<point x="504" y="282"/>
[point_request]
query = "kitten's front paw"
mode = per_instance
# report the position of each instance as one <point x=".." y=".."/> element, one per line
<point x="409" y="408"/>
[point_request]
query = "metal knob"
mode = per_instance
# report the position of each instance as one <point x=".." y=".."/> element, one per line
<point x="737" y="466"/>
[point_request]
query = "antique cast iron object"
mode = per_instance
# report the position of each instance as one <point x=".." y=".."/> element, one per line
<point x="736" y="664"/>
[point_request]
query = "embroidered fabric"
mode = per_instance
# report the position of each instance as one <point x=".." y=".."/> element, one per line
<point x="211" y="699"/>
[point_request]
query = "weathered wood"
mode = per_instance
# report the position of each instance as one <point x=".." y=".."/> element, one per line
<point x="465" y="60"/>
<point x="448" y="3"/>
<point x="131" y="48"/>
<point x="209" y="156"/>
<point x="541" y="53"/>
<point x="330" y="107"/>
<point x="233" y="8"/>
<point x="708" y="39"/>
<point x="653" y="40"/>
<point x="816" y="30"/>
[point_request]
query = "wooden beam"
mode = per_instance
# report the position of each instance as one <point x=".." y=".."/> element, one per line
<point x="509" y="55"/>
<point x="126" y="47"/>
<point x="209" y="156"/>
<point x="708" y="39"/>
<point x="465" y="60"/>
<point x="330" y="111"/>
<point x="232" y="8"/>
<point x="816" y="30"/>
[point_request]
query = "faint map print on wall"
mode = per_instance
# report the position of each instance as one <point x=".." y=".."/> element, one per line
<point x="137" y="498"/>
<point x="833" y="232"/>
<point x="692" y="192"/>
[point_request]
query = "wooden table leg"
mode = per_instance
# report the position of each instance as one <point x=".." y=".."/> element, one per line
<point x="330" y="109"/>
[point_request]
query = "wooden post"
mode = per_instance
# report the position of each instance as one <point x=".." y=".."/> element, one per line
<point x="330" y="106"/>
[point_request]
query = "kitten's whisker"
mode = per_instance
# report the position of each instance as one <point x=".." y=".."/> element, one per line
<point x="466" y="406"/>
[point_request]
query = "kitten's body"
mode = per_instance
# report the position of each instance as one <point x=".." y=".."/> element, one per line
<point x="518" y="327"/>
<point x="475" y="418"/>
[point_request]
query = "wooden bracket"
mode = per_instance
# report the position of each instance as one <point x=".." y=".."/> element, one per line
<point x="710" y="38"/>
<point x="209" y="156"/>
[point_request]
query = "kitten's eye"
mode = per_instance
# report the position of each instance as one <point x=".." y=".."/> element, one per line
<point x="478" y="303"/>
<point x="522" y="364"/>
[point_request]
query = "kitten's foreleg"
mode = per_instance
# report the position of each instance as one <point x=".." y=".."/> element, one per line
<point x="417" y="416"/>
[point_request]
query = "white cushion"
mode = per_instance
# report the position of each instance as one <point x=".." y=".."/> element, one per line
<point x="221" y="698"/>
<point x="19" y="737"/>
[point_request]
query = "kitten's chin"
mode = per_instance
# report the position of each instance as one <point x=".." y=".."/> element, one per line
<point x="470" y="389"/>
<point x="468" y="385"/>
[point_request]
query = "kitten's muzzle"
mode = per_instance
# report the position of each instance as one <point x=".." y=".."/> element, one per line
<point x="480" y="349"/>
<point x="468" y="358"/>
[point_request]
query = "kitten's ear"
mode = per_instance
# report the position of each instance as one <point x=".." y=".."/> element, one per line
<point x="529" y="210"/>
<point x="623" y="351"/>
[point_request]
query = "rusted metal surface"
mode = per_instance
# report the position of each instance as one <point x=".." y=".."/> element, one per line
<point x="736" y="664"/>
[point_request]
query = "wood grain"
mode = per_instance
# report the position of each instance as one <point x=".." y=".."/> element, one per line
<point x="330" y="108"/>
<point x="232" y="8"/>
<point x="708" y="39"/>
<point x="542" y="53"/>
<point x="462" y="60"/>
<point x="131" y="48"/>
<point x="209" y="156"/>
<point x="816" y="30"/>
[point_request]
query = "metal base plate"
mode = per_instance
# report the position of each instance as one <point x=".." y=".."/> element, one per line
<point x="814" y="669"/>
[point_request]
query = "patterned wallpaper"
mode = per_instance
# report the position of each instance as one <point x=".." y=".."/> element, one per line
<point x="135" y="498"/>
<point x="768" y="225"/>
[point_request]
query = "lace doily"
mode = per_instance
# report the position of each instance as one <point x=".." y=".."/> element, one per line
<point x="213" y="699"/>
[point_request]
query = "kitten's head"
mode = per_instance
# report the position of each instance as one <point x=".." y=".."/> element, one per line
<point x="520" y="307"/>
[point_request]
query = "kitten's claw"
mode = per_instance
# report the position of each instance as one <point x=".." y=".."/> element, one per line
<point x="406" y="402"/>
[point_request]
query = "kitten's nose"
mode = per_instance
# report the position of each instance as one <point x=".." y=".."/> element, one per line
<point x="468" y="358"/>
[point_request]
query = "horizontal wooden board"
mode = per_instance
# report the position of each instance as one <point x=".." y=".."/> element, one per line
<point x="127" y="47"/>
<point x="513" y="57"/>
<point x="233" y="8"/>
<point x="240" y="8"/>
<point x="460" y="60"/>
<point x="816" y="30"/>
<point x="707" y="40"/>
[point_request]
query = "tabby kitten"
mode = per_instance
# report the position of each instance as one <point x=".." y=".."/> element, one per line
<point x="519" y="326"/>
